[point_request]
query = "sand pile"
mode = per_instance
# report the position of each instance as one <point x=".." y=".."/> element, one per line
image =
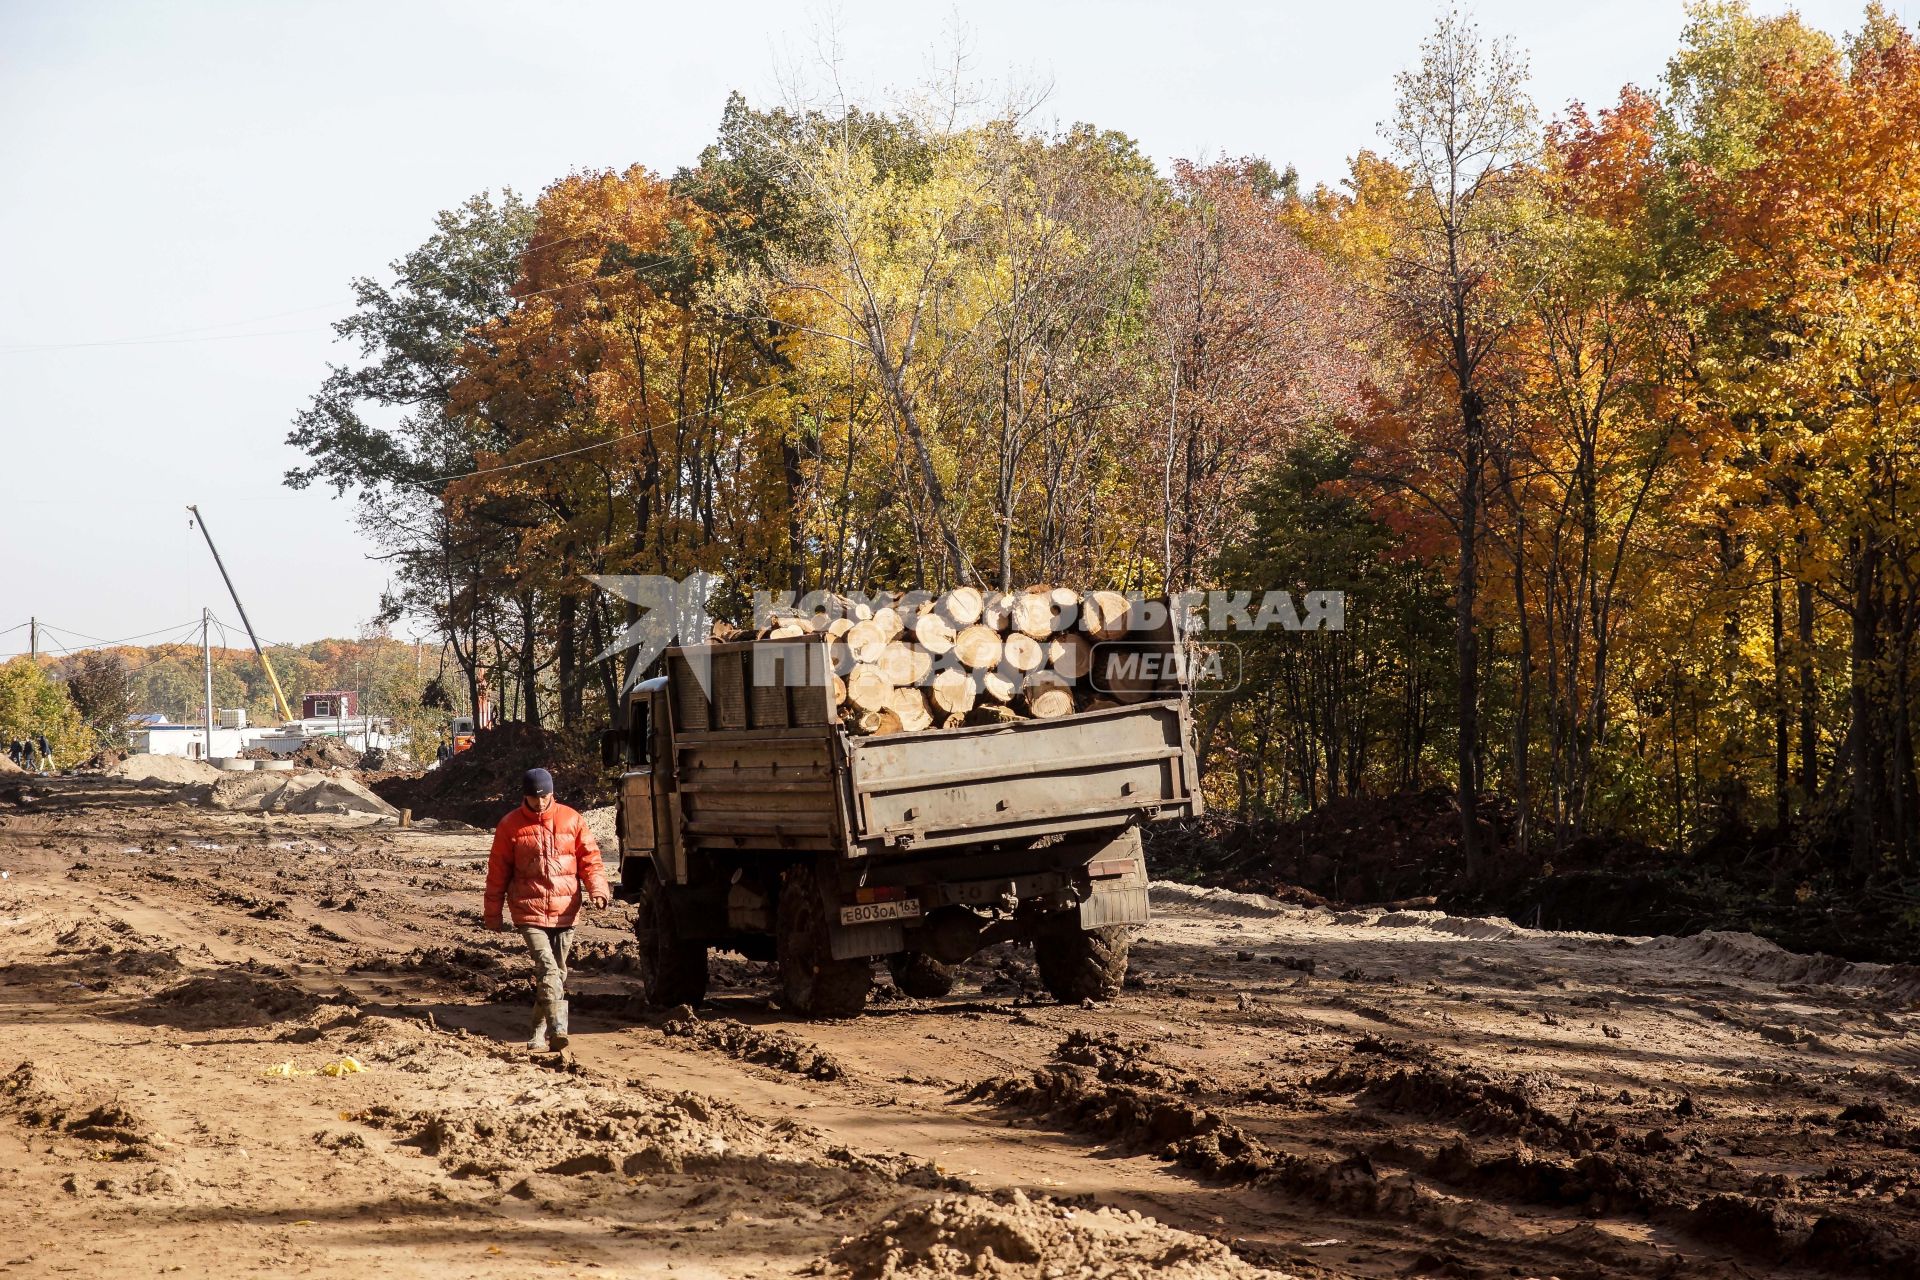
<point x="605" y="834"/>
<point x="308" y="792"/>
<point x="175" y="771"/>
<point x="7" y="766"/>
<point x="566" y="1133"/>
<point x="1013" y="1236"/>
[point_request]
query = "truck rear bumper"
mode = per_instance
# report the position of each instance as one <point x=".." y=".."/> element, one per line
<point x="1095" y="889"/>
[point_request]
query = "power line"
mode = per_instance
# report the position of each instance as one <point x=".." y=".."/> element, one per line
<point x="158" y="342"/>
<point x="173" y="333"/>
<point x="171" y="337"/>
<point x="601" y="444"/>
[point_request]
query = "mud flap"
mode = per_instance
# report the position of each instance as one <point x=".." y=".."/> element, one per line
<point x="1118" y="882"/>
<point x="855" y="941"/>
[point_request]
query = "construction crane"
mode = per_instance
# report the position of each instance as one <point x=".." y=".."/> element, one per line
<point x="279" y="698"/>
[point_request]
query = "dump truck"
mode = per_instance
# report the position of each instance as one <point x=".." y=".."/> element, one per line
<point x="751" y="820"/>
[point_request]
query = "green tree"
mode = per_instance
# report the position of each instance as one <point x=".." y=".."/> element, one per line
<point x="33" y="702"/>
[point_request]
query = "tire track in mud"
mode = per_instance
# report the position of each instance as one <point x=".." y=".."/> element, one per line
<point x="1109" y="1089"/>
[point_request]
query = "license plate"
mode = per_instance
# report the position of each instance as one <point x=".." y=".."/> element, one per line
<point x="880" y="912"/>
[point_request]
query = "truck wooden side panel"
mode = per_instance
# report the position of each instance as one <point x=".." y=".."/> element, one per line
<point x="1021" y="779"/>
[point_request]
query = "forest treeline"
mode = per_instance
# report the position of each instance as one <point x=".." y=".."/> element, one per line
<point x="1602" y="418"/>
<point x="87" y="699"/>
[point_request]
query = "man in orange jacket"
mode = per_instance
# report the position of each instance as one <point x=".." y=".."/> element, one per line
<point x="543" y="859"/>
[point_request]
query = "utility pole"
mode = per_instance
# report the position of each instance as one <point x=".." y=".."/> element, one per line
<point x="279" y="698"/>
<point x="206" y="654"/>
<point x="33" y="638"/>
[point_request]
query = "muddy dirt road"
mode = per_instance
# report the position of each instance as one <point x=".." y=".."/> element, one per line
<point x="185" y="996"/>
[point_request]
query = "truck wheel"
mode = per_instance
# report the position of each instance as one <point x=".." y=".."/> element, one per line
<point x="920" y="975"/>
<point x="1078" y="964"/>
<point x="814" y="983"/>
<point x="672" y="970"/>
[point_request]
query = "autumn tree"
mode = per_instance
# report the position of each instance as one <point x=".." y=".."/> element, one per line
<point x="1462" y="134"/>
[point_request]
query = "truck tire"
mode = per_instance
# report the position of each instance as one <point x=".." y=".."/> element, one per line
<point x="672" y="970"/>
<point x="814" y="983"/>
<point x="1077" y="965"/>
<point x="920" y="975"/>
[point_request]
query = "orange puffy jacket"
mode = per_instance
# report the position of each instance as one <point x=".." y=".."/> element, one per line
<point x="539" y="864"/>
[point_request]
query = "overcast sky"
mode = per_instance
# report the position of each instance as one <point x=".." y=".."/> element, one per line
<point x="186" y="189"/>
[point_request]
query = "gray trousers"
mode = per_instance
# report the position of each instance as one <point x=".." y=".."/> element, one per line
<point x="549" y="948"/>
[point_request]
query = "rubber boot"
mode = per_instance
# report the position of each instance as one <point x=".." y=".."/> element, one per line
<point x="539" y="1042"/>
<point x="559" y="1025"/>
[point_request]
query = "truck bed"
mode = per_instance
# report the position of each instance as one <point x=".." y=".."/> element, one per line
<point x="1021" y="779"/>
<point x="770" y="768"/>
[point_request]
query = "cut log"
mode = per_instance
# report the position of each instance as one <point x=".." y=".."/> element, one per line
<point x="868" y="687"/>
<point x="978" y="647"/>
<point x="933" y="632"/>
<point x="1066" y="608"/>
<point x="1118" y="673"/>
<point x="838" y="627"/>
<point x="839" y="691"/>
<point x="788" y="631"/>
<point x="922" y="665"/>
<point x="1106" y="615"/>
<point x="1001" y="683"/>
<point x="992" y="713"/>
<point x="889" y="621"/>
<point x="910" y="706"/>
<point x="1047" y="696"/>
<point x="952" y="692"/>
<point x="723" y="632"/>
<point x="896" y="663"/>
<point x="962" y="607"/>
<point x="867" y="640"/>
<point x="998" y="612"/>
<point x="885" y="720"/>
<point x="1024" y="653"/>
<point x="1069" y="655"/>
<point x="1033" y="613"/>
<point x="840" y="657"/>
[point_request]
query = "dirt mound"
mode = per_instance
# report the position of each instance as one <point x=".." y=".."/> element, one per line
<point x="257" y="753"/>
<point x="175" y="771"/>
<point x="309" y="792"/>
<point x="42" y="1099"/>
<point x="1356" y="849"/>
<point x="569" y="1133"/>
<point x="479" y="785"/>
<point x="228" y="998"/>
<point x="1755" y="957"/>
<point x="7" y="766"/>
<point x="1012" y="1236"/>
<point x="463" y="967"/>
<point x="750" y="1044"/>
<point x="326" y="753"/>
<point x="103" y="759"/>
<point x="112" y="951"/>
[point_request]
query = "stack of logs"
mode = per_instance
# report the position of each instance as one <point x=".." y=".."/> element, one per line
<point x="966" y="657"/>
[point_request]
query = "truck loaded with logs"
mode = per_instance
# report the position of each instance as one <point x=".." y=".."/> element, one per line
<point x="910" y="781"/>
